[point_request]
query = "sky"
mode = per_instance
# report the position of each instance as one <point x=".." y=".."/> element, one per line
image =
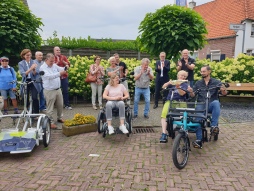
<point x="115" y="19"/>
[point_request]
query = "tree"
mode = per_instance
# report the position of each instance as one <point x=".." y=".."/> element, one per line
<point x="18" y="28"/>
<point x="172" y="29"/>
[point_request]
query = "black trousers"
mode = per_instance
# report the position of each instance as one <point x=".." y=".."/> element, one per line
<point x="31" y="89"/>
<point x="158" y="85"/>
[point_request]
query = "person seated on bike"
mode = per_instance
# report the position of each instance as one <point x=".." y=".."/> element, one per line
<point x="115" y="93"/>
<point x="178" y="99"/>
<point x="214" y="105"/>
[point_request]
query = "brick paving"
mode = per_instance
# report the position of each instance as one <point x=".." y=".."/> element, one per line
<point x="138" y="162"/>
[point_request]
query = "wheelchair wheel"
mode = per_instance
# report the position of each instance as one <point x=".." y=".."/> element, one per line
<point x="129" y="122"/>
<point x="46" y="131"/>
<point x="101" y="119"/>
<point x="127" y="127"/>
<point x="180" y="153"/>
<point x="104" y="130"/>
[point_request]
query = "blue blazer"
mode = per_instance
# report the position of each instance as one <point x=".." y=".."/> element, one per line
<point x="165" y="70"/>
<point x="22" y="70"/>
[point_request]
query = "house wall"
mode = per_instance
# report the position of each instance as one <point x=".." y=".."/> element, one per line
<point x="225" y="45"/>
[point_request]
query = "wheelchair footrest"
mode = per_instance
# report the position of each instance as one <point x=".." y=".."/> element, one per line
<point x="118" y="131"/>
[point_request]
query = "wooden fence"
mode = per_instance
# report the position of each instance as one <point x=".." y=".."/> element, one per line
<point x="86" y="52"/>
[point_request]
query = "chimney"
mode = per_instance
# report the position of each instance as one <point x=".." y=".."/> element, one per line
<point x="192" y="4"/>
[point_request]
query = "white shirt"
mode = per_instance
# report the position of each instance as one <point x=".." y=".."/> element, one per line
<point x="51" y="77"/>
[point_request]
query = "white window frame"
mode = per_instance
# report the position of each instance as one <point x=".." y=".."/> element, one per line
<point x="215" y="55"/>
<point x="252" y="29"/>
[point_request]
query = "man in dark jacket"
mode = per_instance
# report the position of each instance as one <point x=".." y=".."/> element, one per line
<point x="187" y="64"/>
<point x="162" y="68"/>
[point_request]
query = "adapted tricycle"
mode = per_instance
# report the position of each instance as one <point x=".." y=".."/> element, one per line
<point x="26" y="129"/>
<point x="185" y="121"/>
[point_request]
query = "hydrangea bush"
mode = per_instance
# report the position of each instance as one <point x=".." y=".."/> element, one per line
<point x="240" y="70"/>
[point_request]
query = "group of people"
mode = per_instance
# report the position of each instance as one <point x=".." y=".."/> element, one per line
<point x="46" y="87"/>
<point x="54" y="87"/>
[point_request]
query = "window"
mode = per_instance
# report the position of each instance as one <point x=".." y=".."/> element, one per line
<point x="215" y="55"/>
<point x="193" y="54"/>
<point x="249" y="52"/>
<point x="252" y="29"/>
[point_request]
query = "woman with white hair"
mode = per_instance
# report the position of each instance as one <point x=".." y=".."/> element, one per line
<point x="113" y="69"/>
<point x="178" y="99"/>
<point x="115" y="93"/>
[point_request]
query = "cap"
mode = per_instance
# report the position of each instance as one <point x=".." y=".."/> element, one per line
<point x="4" y="58"/>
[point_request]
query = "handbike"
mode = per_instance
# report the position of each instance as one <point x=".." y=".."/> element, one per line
<point x="18" y="139"/>
<point x="186" y="120"/>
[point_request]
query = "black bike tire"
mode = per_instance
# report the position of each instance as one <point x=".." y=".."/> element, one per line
<point x="180" y="165"/>
<point x="46" y="131"/>
<point x="216" y="136"/>
<point x="99" y="122"/>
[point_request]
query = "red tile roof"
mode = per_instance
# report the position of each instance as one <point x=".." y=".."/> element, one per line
<point x="219" y="14"/>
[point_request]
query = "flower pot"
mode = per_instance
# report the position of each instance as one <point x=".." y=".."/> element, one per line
<point x="78" y="129"/>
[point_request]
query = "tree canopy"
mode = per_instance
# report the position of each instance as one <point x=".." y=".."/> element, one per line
<point x="18" y="28"/>
<point x="172" y="29"/>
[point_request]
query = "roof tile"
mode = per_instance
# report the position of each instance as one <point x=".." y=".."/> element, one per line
<point x="219" y="14"/>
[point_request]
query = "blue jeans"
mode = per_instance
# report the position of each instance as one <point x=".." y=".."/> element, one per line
<point x="146" y="93"/>
<point x="65" y="86"/>
<point x="214" y="108"/>
<point x="42" y="101"/>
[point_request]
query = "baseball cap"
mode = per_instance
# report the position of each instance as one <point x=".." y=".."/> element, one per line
<point x="4" y="58"/>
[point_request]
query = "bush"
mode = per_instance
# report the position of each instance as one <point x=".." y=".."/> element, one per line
<point x="237" y="70"/>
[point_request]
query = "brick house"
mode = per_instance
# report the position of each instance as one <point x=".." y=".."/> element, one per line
<point x="223" y="42"/>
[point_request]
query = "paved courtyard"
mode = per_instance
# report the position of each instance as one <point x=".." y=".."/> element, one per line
<point x="138" y="162"/>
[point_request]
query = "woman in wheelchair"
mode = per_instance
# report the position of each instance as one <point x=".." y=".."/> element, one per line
<point x="115" y="94"/>
<point x="177" y="96"/>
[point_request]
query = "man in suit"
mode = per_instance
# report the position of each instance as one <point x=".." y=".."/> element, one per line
<point x="162" y="68"/>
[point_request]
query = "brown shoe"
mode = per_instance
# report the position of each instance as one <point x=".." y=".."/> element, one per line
<point x="60" y="121"/>
<point x="53" y="126"/>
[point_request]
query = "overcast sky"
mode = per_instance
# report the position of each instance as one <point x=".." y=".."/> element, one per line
<point x="116" y="19"/>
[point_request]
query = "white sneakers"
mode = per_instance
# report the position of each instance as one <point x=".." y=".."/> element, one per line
<point x="123" y="129"/>
<point x="111" y="130"/>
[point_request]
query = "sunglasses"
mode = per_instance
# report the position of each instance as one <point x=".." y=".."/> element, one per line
<point x="4" y="60"/>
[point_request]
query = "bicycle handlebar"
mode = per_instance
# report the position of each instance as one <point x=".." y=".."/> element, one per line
<point x="218" y="86"/>
<point x="25" y="82"/>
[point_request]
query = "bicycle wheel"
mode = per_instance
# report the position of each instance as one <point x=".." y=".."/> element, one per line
<point x="180" y="153"/>
<point x="46" y="132"/>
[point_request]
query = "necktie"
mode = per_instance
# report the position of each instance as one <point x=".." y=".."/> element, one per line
<point x="162" y="69"/>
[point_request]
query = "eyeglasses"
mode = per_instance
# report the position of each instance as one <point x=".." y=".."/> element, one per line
<point x="4" y="60"/>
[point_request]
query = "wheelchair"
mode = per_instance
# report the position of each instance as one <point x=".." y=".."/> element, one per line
<point x="103" y="125"/>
